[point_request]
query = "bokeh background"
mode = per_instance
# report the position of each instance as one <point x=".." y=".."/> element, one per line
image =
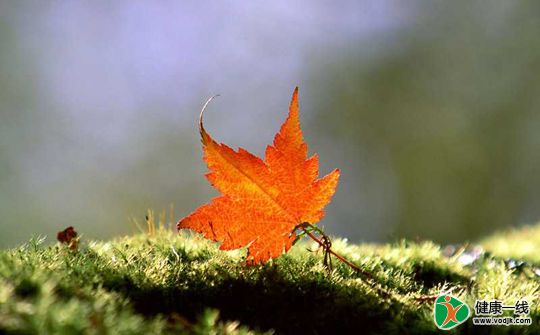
<point x="430" y="109"/>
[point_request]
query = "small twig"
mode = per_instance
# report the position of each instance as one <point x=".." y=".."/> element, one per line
<point x="328" y="250"/>
<point x="324" y="242"/>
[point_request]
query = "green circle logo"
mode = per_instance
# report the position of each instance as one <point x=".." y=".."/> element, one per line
<point x="449" y="312"/>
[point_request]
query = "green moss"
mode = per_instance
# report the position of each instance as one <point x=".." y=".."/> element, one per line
<point x="179" y="283"/>
<point x="522" y="243"/>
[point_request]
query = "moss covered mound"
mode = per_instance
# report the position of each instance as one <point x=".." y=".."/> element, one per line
<point x="175" y="283"/>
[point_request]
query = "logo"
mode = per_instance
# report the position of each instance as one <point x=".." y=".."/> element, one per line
<point x="449" y="312"/>
<point x="496" y="313"/>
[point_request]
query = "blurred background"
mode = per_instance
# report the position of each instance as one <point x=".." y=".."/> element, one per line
<point x="430" y="109"/>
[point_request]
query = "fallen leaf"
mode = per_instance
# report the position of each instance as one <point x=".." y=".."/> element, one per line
<point x="262" y="201"/>
<point x="68" y="236"/>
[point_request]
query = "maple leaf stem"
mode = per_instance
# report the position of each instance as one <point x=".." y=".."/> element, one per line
<point x="324" y="242"/>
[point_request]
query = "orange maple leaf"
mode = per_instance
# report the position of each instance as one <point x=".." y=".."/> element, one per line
<point x="262" y="201"/>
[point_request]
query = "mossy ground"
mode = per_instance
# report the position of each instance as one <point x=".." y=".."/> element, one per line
<point x="180" y="283"/>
